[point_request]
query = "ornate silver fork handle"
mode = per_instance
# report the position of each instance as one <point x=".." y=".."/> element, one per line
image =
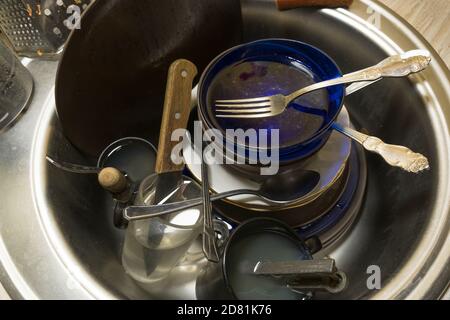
<point x="398" y="156"/>
<point x="395" y="66"/>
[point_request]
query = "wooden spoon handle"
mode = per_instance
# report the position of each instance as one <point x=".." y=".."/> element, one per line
<point x="176" y="112"/>
<point x="112" y="180"/>
<point x="292" y="4"/>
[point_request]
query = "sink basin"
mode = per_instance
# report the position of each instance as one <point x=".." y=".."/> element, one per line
<point x="57" y="239"/>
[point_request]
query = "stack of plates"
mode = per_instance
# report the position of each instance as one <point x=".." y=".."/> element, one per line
<point x="329" y="162"/>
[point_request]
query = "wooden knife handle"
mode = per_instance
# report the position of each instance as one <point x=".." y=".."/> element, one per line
<point x="177" y="106"/>
<point x="292" y="4"/>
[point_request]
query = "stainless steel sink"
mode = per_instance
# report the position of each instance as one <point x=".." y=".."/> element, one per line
<point x="57" y="238"/>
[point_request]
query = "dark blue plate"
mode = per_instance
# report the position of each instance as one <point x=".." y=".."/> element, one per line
<point x="294" y="54"/>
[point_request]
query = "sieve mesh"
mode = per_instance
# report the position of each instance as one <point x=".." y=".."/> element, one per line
<point x="37" y="27"/>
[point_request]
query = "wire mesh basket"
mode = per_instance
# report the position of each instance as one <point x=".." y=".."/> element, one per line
<point x="39" y="27"/>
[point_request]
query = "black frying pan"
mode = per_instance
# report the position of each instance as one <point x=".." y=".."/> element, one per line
<point x="112" y="75"/>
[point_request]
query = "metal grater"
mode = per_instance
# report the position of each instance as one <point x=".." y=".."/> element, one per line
<point x="36" y="28"/>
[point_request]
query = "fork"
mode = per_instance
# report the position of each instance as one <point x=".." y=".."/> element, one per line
<point x="395" y="66"/>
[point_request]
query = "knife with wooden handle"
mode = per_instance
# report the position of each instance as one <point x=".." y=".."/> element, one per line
<point x="176" y="112"/>
<point x="175" y="116"/>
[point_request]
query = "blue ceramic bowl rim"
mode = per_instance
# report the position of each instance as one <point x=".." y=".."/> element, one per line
<point x="209" y="67"/>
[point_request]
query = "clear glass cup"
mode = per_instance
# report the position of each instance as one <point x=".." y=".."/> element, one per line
<point x="153" y="247"/>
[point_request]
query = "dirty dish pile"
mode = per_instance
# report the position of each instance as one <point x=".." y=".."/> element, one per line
<point x="316" y="164"/>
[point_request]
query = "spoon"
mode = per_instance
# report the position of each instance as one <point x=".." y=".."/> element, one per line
<point x="72" y="167"/>
<point x="109" y="178"/>
<point x="284" y="188"/>
<point x="394" y="155"/>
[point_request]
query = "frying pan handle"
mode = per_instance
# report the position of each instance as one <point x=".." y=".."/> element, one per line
<point x="292" y="4"/>
<point x="176" y="112"/>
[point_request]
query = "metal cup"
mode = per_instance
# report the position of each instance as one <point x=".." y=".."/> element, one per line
<point x="214" y="282"/>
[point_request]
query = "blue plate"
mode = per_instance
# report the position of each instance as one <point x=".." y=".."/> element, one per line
<point x="323" y="105"/>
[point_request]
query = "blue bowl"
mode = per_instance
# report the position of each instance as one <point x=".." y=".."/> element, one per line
<point x="277" y="66"/>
